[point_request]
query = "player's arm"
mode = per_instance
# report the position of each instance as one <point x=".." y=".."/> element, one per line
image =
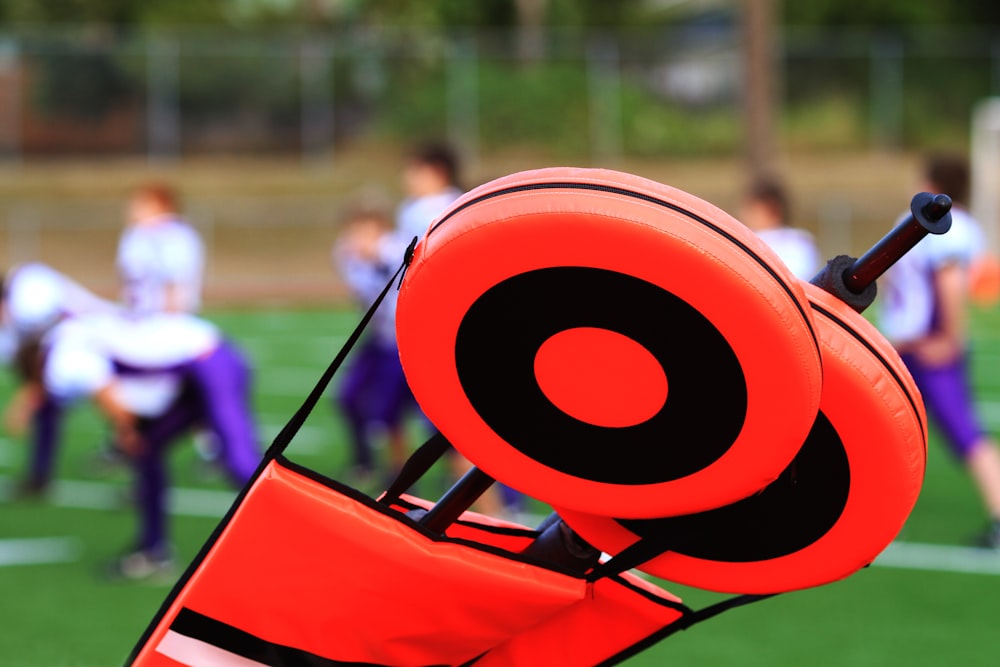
<point x="74" y="369"/>
<point x="122" y="421"/>
<point x="947" y="342"/>
<point x="26" y="363"/>
<point x="21" y="408"/>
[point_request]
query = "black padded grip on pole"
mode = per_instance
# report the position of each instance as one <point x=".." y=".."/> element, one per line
<point x="929" y="214"/>
<point x="831" y="279"/>
<point x="853" y="280"/>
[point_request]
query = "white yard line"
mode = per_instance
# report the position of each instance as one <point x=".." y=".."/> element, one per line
<point x="309" y="439"/>
<point x="81" y="494"/>
<point x="940" y="558"/>
<point x="989" y="412"/>
<point x="290" y="381"/>
<point x="38" y="550"/>
<point x="7" y="457"/>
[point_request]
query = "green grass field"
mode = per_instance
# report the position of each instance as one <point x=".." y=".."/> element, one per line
<point x="62" y="614"/>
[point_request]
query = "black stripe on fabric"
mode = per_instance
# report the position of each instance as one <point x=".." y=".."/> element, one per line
<point x="652" y="200"/>
<point x="849" y="329"/>
<point x="653" y="597"/>
<point x="244" y="644"/>
<point x="486" y="528"/>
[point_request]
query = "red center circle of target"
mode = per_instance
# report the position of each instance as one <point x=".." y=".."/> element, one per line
<point x="788" y="539"/>
<point x="600" y="376"/>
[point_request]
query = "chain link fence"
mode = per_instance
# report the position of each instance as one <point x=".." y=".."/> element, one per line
<point x="308" y="99"/>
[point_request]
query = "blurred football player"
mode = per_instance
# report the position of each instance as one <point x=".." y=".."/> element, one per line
<point x="36" y="298"/>
<point x="161" y="265"/>
<point x="155" y="378"/>
<point x="373" y="395"/>
<point x="161" y="258"/>
<point x="765" y="210"/>
<point x="923" y="312"/>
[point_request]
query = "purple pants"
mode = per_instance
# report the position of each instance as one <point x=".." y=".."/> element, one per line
<point x="948" y="399"/>
<point x="216" y="395"/>
<point x="373" y="391"/>
<point x="46" y="428"/>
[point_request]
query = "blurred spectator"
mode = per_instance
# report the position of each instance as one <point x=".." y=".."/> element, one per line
<point x="765" y="211"/>
<point x="924" y="313"/>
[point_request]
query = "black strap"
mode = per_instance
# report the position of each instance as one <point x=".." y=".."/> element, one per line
<point x="283" y="438"/>
<point x="416" y="467"/>
<point x="719" y="607"/>
<point x="636" y="554"/>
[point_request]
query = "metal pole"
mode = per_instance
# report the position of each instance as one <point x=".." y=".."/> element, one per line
<point x="11" y="71"/>
<point x="886" y="90"/>
<point x="759" y="87"/>
<point x="163" y="125"/>
<point x="463" y="98"/>
<point x="604" y="88"/>
<point x="316" y="97"/>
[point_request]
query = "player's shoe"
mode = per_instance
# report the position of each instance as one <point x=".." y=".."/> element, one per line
<point x="30" y="490"/>
<point x="140" y="565"/>
<point x="990" y="538"/>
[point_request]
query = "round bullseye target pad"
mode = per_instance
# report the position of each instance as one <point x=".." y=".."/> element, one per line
<point x="609" y="344"/>
<point x="832" y="510"/>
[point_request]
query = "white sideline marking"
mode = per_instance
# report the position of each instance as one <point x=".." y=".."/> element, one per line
<point x="940" y="558"/>
<point x="38" y="550"/>
<point x="6" y="453"/>
<point x="989" y="412"/>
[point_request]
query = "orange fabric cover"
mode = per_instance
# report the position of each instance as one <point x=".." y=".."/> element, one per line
<point x="609" y="620"/>
<point x="614" y="615"/>
<point x="881" y="422"/>
<point x="303" y="565"/>
<point x="715" y="265"/>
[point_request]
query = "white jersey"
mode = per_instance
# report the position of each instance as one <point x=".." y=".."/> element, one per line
<point x="141" y="356"/>
<point x="153" y="257"/>
<point x="413" y="218"/>
<point x="796" y="248"/>
<point x="908" y="302"/>
<point x="37" y="297"/>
